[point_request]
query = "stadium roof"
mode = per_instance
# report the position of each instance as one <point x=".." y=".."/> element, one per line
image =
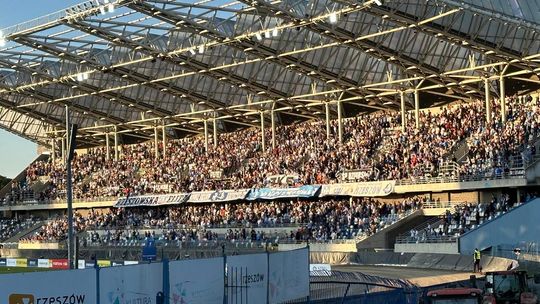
<point x="132" y="65"/>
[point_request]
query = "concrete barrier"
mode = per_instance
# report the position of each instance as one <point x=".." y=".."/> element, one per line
<point x="315" y="247"/>
<point x="444" y="248"/>
<point x="454" y="262"/>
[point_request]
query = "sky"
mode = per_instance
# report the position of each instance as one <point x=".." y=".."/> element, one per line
<point x="15" y="152"/>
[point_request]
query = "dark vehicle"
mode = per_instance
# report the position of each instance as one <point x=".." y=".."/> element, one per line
<point x="455" y="296"/>
<point x="508" y="287"/>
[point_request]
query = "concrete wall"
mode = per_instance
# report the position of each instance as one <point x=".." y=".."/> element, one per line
<point x="464" y="196"/>
<point x="76" y="205"/>
<point x="486" y="184"/>
<point x="387" y="237"/>
<point x="47" y="246"/>
<point x="450" y="248"/>
<point x="314" y="247"/>
<point x="455" y="262"/>
<point x="520" y="224"/>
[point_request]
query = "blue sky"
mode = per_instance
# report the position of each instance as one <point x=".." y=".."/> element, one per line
<point x="15" y="152"/>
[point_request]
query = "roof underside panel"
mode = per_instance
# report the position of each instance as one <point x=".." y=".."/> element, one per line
<point x="159" y="61"/>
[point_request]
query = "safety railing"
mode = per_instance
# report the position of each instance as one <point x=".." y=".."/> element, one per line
<point x="426" y="239"/>
<point x="438" y="204"/>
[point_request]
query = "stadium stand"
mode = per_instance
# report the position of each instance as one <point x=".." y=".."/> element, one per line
<point x="463" y="218"/>
<point x="308" y="220"/>
<point x="494" y="151"/>
<point x="464" y="122"/>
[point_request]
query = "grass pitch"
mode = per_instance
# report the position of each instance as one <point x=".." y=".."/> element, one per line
<point x="6" y="270"/>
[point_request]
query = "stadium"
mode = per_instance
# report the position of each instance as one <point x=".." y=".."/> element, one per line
<point x="317" y="151"/>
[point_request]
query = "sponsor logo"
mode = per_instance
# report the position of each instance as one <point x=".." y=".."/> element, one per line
<point x="253" y="278"/>
<point x="59" y="264"/>
<point x="31" y="299"/>
<point x="3" y="262"/>
<point x="21" y="299"/>
<point x="43" y="263"/>
<point x="21" y="263"/>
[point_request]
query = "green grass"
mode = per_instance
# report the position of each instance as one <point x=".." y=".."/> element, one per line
<point x="4" y="270"/>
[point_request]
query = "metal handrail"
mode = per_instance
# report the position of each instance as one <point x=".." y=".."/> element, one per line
<point x="447" y="204"/>
<point x="427" y="240"/>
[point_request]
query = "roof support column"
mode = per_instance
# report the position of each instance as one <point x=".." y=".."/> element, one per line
<point x="263" y="143"/>
<point x="327" y="109"/>
<point x="503" y="99"/>
<point x="488" y="100"/>
<point x="214" y="131"/>
<point x="156" y="144"/>
<point x="273" y="125"/>
<point x="417" y="108"/>
<point x="108" y="146"/>
<point x="53" y="149"/>
<point x="340" y="122"/>
<point x="64" y="150"/>
<point x="164" y="140"/>
<point x="403" y="116"/>
<point x="205" y="122"/>
<point x="115" y="143"/>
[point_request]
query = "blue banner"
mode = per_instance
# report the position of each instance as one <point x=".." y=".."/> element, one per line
<point x="275" y="193"/>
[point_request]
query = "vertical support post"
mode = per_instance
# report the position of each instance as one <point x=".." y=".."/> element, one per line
<point x="108" y="146"/>
<point x="327" y="110"/>
<point x="488" y="100"/>
<point x="69" y="194"/>
<point x="64" y="150"/>
<point x="417" y="108"/>
<point x="268" y="274"/>
<point x="166" y="284"/>
<point x="156" y="144"/>
<point x="205" y="135"/>
<point x="503" y="99"/>
<point x="53" y="149"/>
<point x="263" y="141"/>
<point x="115" y="143"/>
<point x="403" y="116"/>
<point x="97" y="284"/>
<point x="518" y="196"/>
<point x="164" y="140"/>
<point x="273" y="125"/>
<point x="340" y="122"/>
<point x="214" y="131"/>
<point x="226" y="278"/>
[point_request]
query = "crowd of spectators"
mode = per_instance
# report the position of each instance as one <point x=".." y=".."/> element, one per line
<point x="495" y="146"/>
<point x="10" y="227"/>
<point x="465" y="217"/>
<point x="318" y="220"/>
<point x="303" y="152"/>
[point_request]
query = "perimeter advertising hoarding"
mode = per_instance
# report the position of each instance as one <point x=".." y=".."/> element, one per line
<point x="196" y="281"/>
<point x="43" y="263"/>
<point x="131" y="284"/>
<point x="104" y="263"/>
<point x="250" y="273"/>
<point x="289" y="275"/>
<point x="77" y="286"/>
<point x="59" y="264"/>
